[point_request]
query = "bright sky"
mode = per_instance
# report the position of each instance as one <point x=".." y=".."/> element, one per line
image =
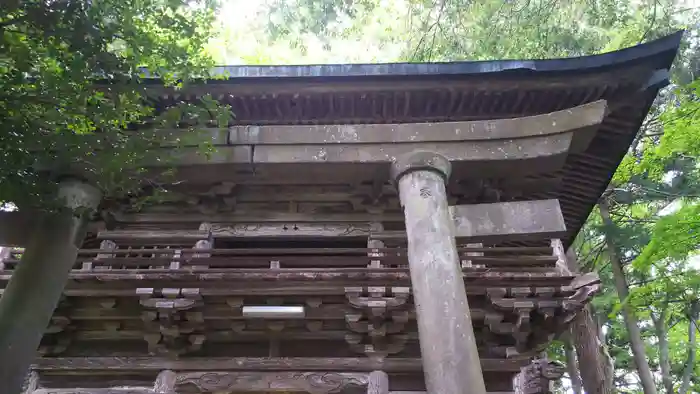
<point x="242" y="22"/>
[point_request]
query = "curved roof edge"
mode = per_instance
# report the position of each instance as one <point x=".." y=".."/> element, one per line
<point x="666" y="47"/>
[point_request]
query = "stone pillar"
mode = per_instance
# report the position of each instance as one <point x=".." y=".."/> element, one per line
<point x="448" y="347"/>
<point x="38" y="281"/>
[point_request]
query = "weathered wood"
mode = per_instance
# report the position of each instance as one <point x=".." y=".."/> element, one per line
<point x="106" y="246"/>
<point x="573" y="119"/>
<point x="296" y="277"/>
<point x="531" y="263"/>
<point x="530" y="148"/>
<point x="290" y="230"/>
<point x="239" y="333"/>
<point x="161" y="237"/>
<point x="114" y="390"/>
<point x="519" y="250"/>
<point x="378" y="383"/>
<point x="595" y="365"/>
<point x="447" y="341"/>
<point x="310" y="382"/>
<point x="36" y="285"/>
<point x="508" y="221"/>
<point x="260" y="217"/>
<point x="350" y="364"/>
<point x="165" y="382"/>
<point x="308" y="289"/>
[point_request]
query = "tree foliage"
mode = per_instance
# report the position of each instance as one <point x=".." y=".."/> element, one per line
<point x="71" y="90"/>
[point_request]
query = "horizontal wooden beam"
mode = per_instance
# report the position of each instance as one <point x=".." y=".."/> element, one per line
<point x="291" y="230"/>
<point x="509" y="221"/>
<point x="499" y="222"/>
<point x="92" y="390"/>
<point x="258" y="217"/>
<point x="350" y="364"/>
<point x="517" y="250"/>
<point x="294" y="281"/>
<point x="574" y="119"/>
<point x="467" y="151"/>
<point x="146" y="390"/>
<point x="154" y="237"/>
<point x="526" y="138"/>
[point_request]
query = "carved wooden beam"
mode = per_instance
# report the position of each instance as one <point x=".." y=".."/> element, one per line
<point x="310" y="382"/>
<point x="290" y="230"/>
<point x="523" y="220"/>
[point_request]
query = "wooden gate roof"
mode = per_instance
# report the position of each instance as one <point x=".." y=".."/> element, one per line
<point x="628" y="79"/>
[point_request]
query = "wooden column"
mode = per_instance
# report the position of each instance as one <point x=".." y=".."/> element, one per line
<point x="38" y="281"/>
<point x="448" y="347"/>
<point x="378" y="383"/>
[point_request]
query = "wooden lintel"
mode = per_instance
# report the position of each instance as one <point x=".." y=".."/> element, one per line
<point x="574" y="119"/>
<point x="503" y="221"/>
<point x="485" y="151"/>
<point x="297" y="381"/>
<point x="115" y="390"/>
<point x="142" y="364"/>
<point x="511" y="221"/>
<point x="290" y="230"/>
<point x="153" y="237"/>
<point x="261" y="217"/>
<point x="297" y="276"/>
<point x="522" y="220"/>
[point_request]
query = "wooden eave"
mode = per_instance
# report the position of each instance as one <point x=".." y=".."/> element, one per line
<point x="628" y="80"/>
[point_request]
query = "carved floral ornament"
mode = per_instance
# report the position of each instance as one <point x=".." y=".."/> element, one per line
<point x="292" y="229"/>
<point x="310" y="382"/>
